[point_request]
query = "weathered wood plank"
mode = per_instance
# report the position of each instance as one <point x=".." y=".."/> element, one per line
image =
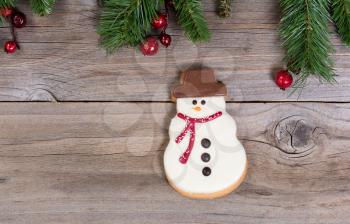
<point x="61" y="59"/>
<point x="101" y="163"/>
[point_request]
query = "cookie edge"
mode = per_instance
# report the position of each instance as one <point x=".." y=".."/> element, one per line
<point x="214" y="195"/>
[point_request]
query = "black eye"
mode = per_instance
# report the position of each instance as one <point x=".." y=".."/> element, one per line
<point x="194" y="102"/>
<point x="203" y="102"/>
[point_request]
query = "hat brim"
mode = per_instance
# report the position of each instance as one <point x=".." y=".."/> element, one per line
<point x="191" y="91"/>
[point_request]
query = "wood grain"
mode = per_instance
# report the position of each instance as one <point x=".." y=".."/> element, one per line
<point x="93" y="163"/>
<point x="61" y="60"/>
<point x="101" y="163"/>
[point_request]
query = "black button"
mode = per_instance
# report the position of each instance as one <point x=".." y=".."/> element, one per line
<point x="203" y="102"/>
<point x="205" y="157"/>
<point x="206" y="171"/>
<point x="205" y="143"/>
<point x="194" y="102"/>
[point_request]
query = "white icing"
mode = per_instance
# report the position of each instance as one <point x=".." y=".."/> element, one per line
<point x="227" y="155"/>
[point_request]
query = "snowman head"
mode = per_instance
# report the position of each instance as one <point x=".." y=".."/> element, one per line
<point x="199" y="107"/>
<point x="199" y="94"/>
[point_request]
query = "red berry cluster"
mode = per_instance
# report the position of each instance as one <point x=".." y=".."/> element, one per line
<point x="150" y="45"/>
<point x="17" y="20"/>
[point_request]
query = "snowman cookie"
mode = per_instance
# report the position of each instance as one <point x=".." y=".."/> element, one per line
<point x="204" y="159"/>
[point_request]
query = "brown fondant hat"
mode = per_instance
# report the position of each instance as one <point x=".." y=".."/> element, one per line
<point x="199" y="83"/>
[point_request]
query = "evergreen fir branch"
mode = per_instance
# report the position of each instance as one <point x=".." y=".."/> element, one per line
<point x="341" y="17"/>
<point x="191" y="19"/>
<point x="305" y="35"/>
<point x="225" y="8"/>
<point x="42" y="7"/>
<point x="126" y="22"/>
<point x="7" y="3"/>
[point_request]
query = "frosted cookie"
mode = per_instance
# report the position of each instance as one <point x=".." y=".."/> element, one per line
<point x="204" y="159"/>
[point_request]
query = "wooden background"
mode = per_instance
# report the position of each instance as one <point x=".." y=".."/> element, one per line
<point x="91" y="152"/>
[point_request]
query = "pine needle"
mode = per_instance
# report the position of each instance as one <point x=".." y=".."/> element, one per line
<point x="225" y="8"/>
<point x="42" y="7"/>
<point x="7" y="3"/>
<point x="191" y="19"/>
<point x="305" y="35"/>
<point x="341" y="17"/>
<point x="126" y="22"/>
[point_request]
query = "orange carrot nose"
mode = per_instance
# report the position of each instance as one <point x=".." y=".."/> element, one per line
<point x="197" y="108"/>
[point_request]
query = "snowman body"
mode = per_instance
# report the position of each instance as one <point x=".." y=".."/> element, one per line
<point x="217" y="162"/>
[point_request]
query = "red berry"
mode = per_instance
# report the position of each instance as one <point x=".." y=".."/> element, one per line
<point x="165" y="39"/>
<point x="160" y="22"/>
<point x="284" y="79"/>
<point x="149" y="46"/>
<point x="10" y="46"/>
<point x="18" y="20"/>
<point x="6" y="12"/>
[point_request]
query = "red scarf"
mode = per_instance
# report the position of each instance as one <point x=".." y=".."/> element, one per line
<point x="190" y="127"/>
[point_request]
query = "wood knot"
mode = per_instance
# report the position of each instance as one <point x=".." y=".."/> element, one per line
<point x="40" y="94"/>
<point x="296" y="135"/>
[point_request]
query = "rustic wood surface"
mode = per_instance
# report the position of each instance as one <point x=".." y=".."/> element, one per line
<point x="61" y="60"/>
<point x="102" y="163"/>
